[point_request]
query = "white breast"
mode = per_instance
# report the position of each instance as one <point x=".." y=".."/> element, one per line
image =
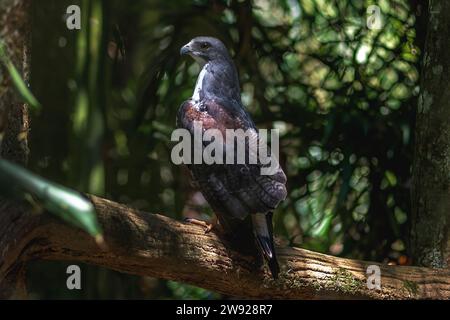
<point x="199" y="84"/>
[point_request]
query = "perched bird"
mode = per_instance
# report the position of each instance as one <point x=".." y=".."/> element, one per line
<point x="234" y="191"/>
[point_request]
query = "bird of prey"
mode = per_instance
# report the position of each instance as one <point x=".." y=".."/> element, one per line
<point x="235" y="191"/>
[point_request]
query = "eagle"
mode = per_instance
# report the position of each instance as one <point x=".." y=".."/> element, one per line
<point x="242" y="198"/>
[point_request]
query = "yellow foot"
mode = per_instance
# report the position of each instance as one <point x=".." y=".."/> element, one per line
<point x="208" y="226"/>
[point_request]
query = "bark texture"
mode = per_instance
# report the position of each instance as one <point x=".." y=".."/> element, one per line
<point x="431" y="170"/>
<point x="15" y="34"/>
<point x="14" y="126"/>
<point x="154" y="245"/>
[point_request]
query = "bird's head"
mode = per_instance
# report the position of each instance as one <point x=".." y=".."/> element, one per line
<point x="205" y="49"/>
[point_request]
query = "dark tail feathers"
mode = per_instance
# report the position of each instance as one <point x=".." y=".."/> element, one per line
<point x="262" y="226"/>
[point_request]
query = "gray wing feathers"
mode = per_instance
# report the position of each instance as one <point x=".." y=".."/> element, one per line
<point x="237" y="190"/>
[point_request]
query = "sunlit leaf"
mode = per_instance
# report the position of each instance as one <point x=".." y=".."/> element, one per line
<point x="324" y="226"/>
<point x="391" y="178"/>
<point x="63" y="202"/>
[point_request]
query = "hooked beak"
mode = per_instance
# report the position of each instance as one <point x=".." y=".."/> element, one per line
<point x="186" y="49"/>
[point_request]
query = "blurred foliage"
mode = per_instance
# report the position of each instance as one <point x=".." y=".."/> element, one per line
<point x="341" y="94"/>
<point x="64" y="203"/>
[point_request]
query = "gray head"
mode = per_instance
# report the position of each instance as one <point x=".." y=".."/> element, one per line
<point x="206" y="49"/>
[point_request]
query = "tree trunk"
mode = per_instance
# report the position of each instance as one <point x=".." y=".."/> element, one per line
<point x="15" y="33"/>
<point x="431" y="169"/>
<point x="15" y="223"/>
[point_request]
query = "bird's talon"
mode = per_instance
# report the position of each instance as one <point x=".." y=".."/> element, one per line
<point x="208" y="226"/>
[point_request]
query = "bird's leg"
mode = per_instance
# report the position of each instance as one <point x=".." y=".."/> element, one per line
<point x="207" y="225"/>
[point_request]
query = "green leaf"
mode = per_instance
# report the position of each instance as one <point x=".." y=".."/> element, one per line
<point x="63" y="202"/>
<point x="391" y="178"/>
<point x="324" y="226"/>
<point x="17" y="80"/>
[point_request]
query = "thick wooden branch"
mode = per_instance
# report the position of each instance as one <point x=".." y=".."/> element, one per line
<point x="154" y="245"/>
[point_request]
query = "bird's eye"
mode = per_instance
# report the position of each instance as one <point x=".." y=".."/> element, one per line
<point x="205" y="45"/>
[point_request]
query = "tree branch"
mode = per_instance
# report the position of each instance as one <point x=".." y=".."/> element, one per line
<point x="154" y="245"/>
